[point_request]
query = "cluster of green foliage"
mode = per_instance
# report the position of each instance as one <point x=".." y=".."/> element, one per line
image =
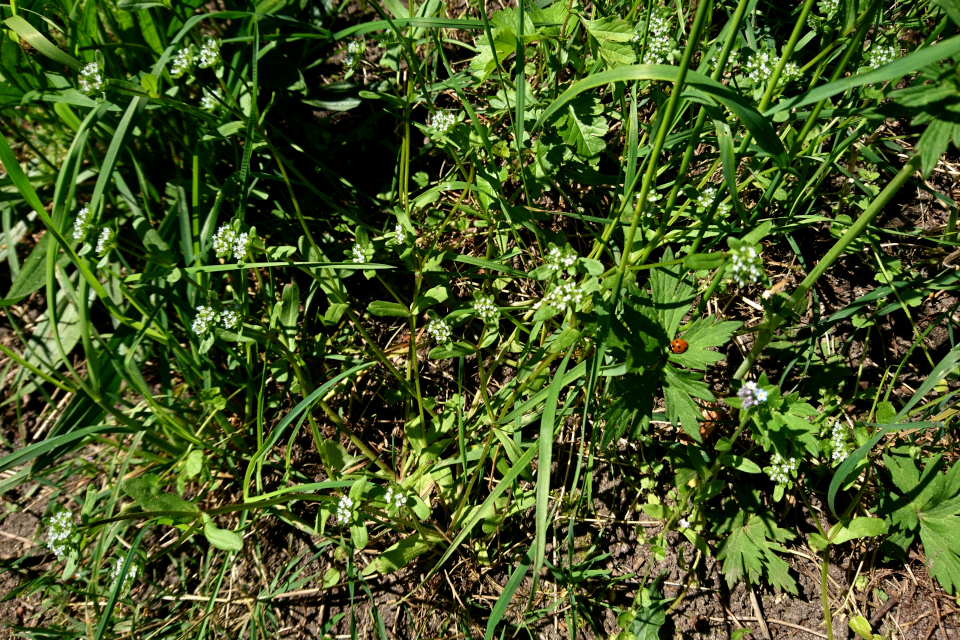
<point x="262" y="234"/>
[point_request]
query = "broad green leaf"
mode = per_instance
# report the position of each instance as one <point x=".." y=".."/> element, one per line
<point x="223" y="539"/>
<point x="146" y="492"/>
<point x="399" y="555"/>
<point x="583" y="126"/>
<point x="858" y="528"/>
<point x="382" y="308"/>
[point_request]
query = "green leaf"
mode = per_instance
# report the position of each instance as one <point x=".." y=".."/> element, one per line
<point x="149" y="83"/>
<point x="222" y="539"/>
<point x="583" y="126"/>
<point x="289" y="312"/>
<point x="381" y="308"/>
<point x="679" y="389"/>
<point x="698" y="261"/>
<point x="857" y="528"/>
<point x="452" y="350"/>
<point x="36" y="40"/>
<point x="749" y="553"/>
<point x="399" y="555"/>
<point x="146" y="492"/>
<point x="649" y="617"/>
<point x="703" y="334"/>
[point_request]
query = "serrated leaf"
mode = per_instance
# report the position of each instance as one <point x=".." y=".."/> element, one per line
<point x="609" y="29"/>
<point x="672" y="295"/>
<point x="749" y="553"/>
<point x="146" y="493"/>
<point x="630" y="407"/>
<point x="679" y="389"/>
<point x="703" y="334"/>
<point x="583" y="126"/>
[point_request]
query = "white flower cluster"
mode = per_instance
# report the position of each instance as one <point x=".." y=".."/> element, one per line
<point x="354" y="51"/>
<point x="206" y="317"/>
<point x="558" y="259"/>
<point x="484" y="308"/>
<point x="750" y="395"/>
<point x="760" y="66"/>
<point x="209" y="53"/>
<point x="230" y="317"/>
<point x="226" y="241"/>
<point x="746" y="266"/>
<point x="399" y="234"/>
<point x="210" y="100"/>
<point x="60" y="530"/>
<point x="105" y="240"/>
<point x="567" y="292"/>
<point x="128" y="579"/>
<point x="683" y="523"/>
<point x="655" y="36"/>
<point x="837" y="440"/>
<point x="80" y="224"/>
<point x="782" y="468"/>
<point x="791" y="71"/>
<point x="91" y="78"/>
<point x="439" y="330"/>
<point x="880" y="56"/>
<point x="181" y="63"/>
<point x="344" y="510"/>
<point x="359" y="255"/>
<point x="395" y="499"/>
<point x="652" y="198"/>
<point x="443" y="121"/>
<point x="705" y="199"/>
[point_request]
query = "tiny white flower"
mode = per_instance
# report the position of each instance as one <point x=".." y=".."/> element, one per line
<point x="880" y="56"/>
<point x="654" y="35"/>
<point x="230" y="317"/>
<point x="399" y="235"/>
<point x="761" y="395"/>
<point x="60" y="529"/>
<point x="566" y="293"/>
<point x="80" y="224"/>
<point x="224" y="239"/>
<point x="354" y="53"/>
<point x="439" y="330"/>
<point x="209" y="53"/>
<point x="344" y="510"/>
<point x="838" y="442"/>
<point x="181" y="63"/>
<point x="91" y="78"/>
<point x="395" y="499"/>
<point x="485" y="309"/>
<point x="359" y="255"/>
<point x="206" y="318"/>
<point x="210" y="100"/>
<point x="760" y="65"/>
<point x="746" y="266"/>
<point x="240" y="245"/>
<point x="105" y="240"/>
<point x="683" y="523"/>
<point x="558" y="259"/>
<point x="443" y="121"/>
<point x="128" y="579"/>
<point x="781" y="468"/>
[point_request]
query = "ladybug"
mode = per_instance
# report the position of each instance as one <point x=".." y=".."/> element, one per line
<point x="679" y="345"/>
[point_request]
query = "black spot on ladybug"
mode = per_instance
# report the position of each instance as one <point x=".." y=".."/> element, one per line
<point x="679" y="345"/>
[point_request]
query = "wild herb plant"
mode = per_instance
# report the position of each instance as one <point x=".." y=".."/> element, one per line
<point x="405" y="279"/>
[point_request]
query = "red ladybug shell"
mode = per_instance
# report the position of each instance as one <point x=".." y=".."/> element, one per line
<point x="679" y="345"/>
